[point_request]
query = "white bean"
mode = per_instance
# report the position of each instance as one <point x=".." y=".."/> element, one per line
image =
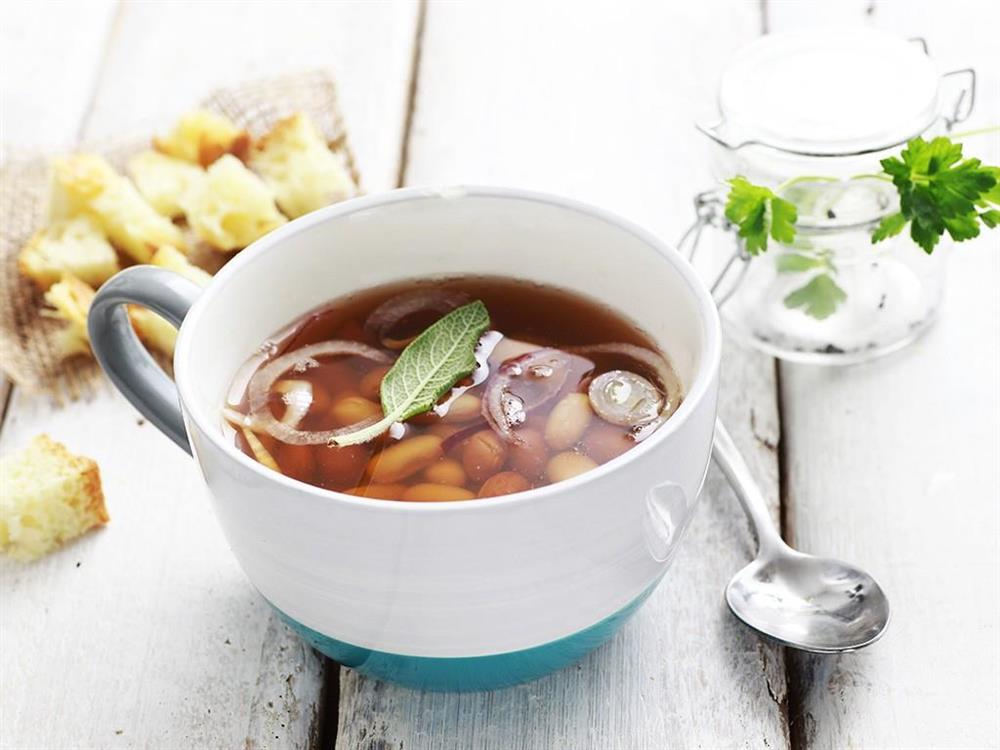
<point x="567" y="465"/>
<point x="568" y="421"/>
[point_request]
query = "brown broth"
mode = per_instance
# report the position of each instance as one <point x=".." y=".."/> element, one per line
<point x="456" y="456"/>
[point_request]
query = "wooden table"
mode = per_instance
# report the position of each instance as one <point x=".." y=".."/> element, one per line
<point x="147" y="634"/>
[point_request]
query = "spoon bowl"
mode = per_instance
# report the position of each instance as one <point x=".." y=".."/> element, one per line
<point x="810" y="603"/>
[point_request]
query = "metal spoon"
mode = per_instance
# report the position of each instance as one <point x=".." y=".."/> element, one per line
<point x="810" y="603"/>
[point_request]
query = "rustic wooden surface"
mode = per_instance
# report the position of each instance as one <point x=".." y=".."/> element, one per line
<point x="146" y="634"/>
<point x="894" y="465"/>
<point x="479" y="79"/>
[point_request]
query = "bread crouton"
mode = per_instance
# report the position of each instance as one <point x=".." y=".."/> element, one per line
<point x="75" y="181"/>
<point x="174" y="260"/>
<point x="85" y="184"/>
<point x="49" y="497"/>
<point x="163" y="180"/>
<point x="71" y="246"/>
<point x="232" y="207"/>
<point x="71" y="300"/>
<point x="201" y="137"/>
<point x="299" y="168"/>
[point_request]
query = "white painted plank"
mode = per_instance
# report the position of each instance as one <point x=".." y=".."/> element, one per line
<point x="597" y="101"/>
<point x="894" y="465"/>
<point x="167" y="56"/>
<point x="41" y="99"/>
<point x="157" y="639"/>
<point x="782" y="15"/>
<point x="42" y="96"/>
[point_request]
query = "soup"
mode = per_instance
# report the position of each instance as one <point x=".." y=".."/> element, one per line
<point x="556" y="386"/>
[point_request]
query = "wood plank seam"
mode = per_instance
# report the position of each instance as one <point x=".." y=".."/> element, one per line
<point x="7" y="386"/>
<point x="787" y="700"/>
<point x="329" y="708"/>
<point x="884" y="465"/>
<point x="115" y="90"/>
<point x="328" y="725"/>
<point x="380" y="716"/>
<point x="6" y="392"/>
<point x="784" y="697"/>
<point x="411" y="101"/>
<point x="793" y="704"/>
<point x="102" y="69"/>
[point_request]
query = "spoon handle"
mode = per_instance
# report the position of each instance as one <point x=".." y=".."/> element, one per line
<point x="728" y="457"/>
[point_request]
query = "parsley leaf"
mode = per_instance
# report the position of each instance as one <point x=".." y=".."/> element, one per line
<point x="890" y="226"/>
<point x="993" y="195"/>
<point x="819" y="298"/>
<point x="759" y="213"/>
<point x="938" y="193"/>
<point x="799" y="262"/>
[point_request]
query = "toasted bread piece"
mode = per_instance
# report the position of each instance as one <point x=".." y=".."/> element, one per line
<point x="232" y="207"/>
<point x="201" y="137"/>
<point x="174" y="260"/>
<point x="49" y="497"/>
<point x="75" y="181"/>
<point x="164" y="180"/>
<point x="71" y="246"/>
<point x="85" y="184"/>
<point x="71" y="300"/>
<point x="300" y="169"/>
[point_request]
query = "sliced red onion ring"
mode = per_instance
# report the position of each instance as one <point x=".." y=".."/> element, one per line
<point x="301" y="360"/>
<point x="526" y="382"/>
<point x="624" y="398"/>
<point x="509" y="348"/>
<point x="386" y="316"/>
<point x="259" y="451"/>
<point x="239" y="419"/>
<point x="667" y="379"/>
<point x="484" y="350"/>
<point x="249" y="427"/>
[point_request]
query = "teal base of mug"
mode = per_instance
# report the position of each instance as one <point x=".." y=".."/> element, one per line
<point x="468" y="673"/>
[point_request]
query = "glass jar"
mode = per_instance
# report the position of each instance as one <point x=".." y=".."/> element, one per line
<point x="811" y="115"/>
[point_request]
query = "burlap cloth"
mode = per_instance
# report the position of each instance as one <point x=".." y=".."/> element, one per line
<point x="28" y="353"/>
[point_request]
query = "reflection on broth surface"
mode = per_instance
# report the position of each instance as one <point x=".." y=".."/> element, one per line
<point x="561" y="385"/>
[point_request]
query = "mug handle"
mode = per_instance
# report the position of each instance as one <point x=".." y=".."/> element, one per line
<point x="118" y="349"/>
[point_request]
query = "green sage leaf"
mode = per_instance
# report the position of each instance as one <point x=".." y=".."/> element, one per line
<point x="427" y="369"/>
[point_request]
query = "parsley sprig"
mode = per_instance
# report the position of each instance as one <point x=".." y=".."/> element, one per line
<point x="939" y="192"/>
<point x="759" y="213"/>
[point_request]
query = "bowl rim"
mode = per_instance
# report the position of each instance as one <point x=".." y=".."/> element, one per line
<point x="706" y="372"/>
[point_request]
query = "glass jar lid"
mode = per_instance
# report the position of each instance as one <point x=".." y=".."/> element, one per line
<point x="845" y="91"/>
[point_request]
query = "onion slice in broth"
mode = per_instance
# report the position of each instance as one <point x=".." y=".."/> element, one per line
<point x="524" y="383"/>
<point x="624" y="398"/>
<point x="666" y="379"/>
<point x="300" y="360"/>
<point x="259" y="451"/>
<point x="388" y="315"/>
